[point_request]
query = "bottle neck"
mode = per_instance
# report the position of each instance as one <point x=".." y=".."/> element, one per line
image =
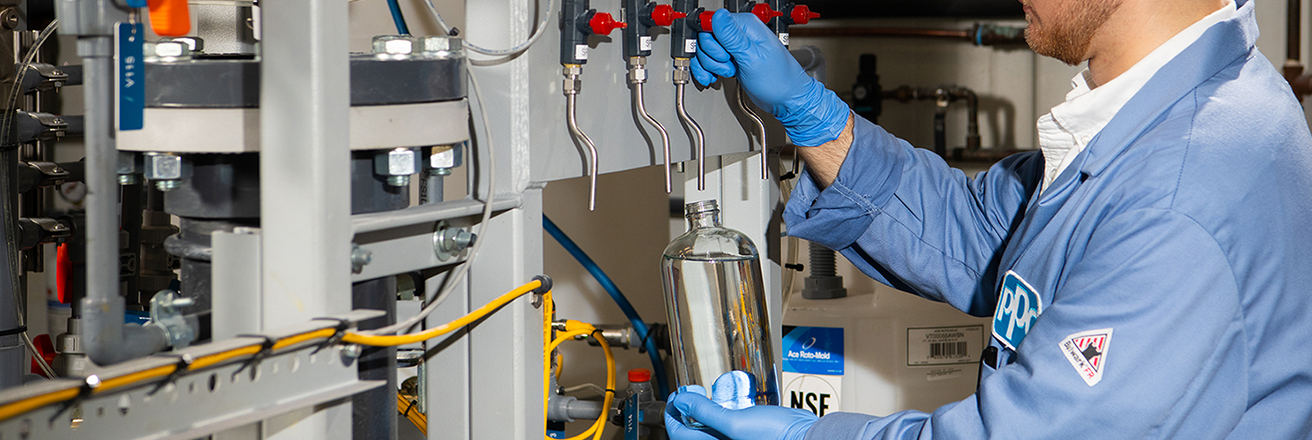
<point x="704" y="219"/>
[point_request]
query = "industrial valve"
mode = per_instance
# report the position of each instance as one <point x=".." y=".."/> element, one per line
<point x="790" y="14"/>
<point x="578" y="21"/>
<point x="642" y="16"/>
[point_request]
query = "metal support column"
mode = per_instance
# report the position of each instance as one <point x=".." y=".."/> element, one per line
<point x="304" y="182"/>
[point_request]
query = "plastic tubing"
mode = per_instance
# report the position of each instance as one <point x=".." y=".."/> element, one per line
<point x="487" y="309"/>
<point x="574" y="329"/>
<point x="397" y="18"/>
<point x="606" y="283"/>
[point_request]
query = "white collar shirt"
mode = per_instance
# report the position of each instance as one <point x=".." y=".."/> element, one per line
<point x="1068" y="128"/>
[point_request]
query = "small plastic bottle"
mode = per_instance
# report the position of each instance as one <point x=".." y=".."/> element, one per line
<point x="716" y="306"/>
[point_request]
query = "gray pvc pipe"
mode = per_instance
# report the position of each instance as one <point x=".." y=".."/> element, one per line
<point x="107" y="339"/>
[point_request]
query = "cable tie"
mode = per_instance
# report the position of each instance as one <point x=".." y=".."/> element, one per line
<point x="339" y="332"/>
<point x="14" y="331"/>
<point x="651" y="330"/>
<point x="180" y="368"/>
<point x="266" y="347"/>
<point x="89" y="384"/>
<point x="409" y="407"/>
<point x="608" y="390"/>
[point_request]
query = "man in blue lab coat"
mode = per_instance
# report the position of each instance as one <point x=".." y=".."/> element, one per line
<point x="1149" y="270"/>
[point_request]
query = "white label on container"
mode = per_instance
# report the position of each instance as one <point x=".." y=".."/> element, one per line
<point x="783" y="38"/>
<point x="944" y="345"/>
<point x="644" y="43"/>
<point x="812" y="392"/>
<point x="690" y="45"/>
<point x="580" y="51"/>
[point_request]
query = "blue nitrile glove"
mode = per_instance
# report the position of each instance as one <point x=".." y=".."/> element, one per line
<point x="750" y="423"/>
<point x="742" y="46"/>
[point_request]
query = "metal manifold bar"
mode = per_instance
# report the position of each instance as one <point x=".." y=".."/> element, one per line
<point x="201" y="401"/>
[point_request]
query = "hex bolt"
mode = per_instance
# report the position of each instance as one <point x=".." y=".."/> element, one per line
<point x="127" y="179"/>
<point x="396" y="166"/>
<point x="350" y="352"/>
<point x="162" y="185"/>
<point x="166" y="170"/>
<point x="436" y="45"/>
<point x="360" y="257"/>
<point x="395" y="46"/>
<point x="398" y="180"/>
<point x="463" y="239"/>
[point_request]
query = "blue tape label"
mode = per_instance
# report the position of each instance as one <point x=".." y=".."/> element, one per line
<point x="131" y="77"/>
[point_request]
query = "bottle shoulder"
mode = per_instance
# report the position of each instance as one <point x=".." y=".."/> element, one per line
<point x="711" y="244"/>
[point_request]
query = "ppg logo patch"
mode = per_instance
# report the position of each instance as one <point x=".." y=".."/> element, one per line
<point x="1018" y="307"/>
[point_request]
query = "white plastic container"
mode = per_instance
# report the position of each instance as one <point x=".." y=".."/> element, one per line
<point x="899" y="352"/>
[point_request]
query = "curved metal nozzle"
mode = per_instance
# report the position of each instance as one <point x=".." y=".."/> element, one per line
<point x="571" y="89"/>
<point x="592" y="152"/>
<point x="638" y="76"/>
<point x="760" y="130"/>
<point x="699" y="137"/>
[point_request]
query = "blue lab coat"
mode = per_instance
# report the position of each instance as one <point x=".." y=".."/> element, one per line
<point x="1185" y="227"/>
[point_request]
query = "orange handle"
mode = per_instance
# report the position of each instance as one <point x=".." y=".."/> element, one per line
<point x="169" y="18"/>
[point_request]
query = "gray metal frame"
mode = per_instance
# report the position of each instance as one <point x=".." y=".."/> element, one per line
<point x="304" y="219"/>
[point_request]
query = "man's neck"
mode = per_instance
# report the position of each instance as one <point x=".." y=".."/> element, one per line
<point x="1136" y="29"/>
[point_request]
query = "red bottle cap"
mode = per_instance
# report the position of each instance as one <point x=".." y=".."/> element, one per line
<point x="664" y="15"/>
<point x="763" y="12"/>
<point x="602" y="24"/>
<point x="639" y="375"/>
<point x="801" y="14"/>
<point x="705" y="18"/>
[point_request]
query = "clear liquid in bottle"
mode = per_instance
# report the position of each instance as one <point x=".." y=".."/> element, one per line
<point x="715" y="303"/>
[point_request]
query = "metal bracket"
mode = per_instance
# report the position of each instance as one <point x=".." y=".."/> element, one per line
<point x="165" y="312"/>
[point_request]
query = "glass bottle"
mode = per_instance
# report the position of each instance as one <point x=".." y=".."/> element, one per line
<point x="715" y="303"/>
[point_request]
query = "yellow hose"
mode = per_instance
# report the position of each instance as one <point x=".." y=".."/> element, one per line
<point x="419" y="419"/>
<point x="487" y="309"/>
<point x="107" y="384"/>
<point x="577" y="328"/>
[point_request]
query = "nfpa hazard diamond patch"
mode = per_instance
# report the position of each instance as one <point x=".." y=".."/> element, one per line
<point x="1087" y="352"/>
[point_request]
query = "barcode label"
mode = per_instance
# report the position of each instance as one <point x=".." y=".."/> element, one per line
<point x="948" y="350"/>
<point x="944" y="345"/>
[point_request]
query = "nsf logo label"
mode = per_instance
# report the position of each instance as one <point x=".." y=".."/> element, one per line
<point x="1018" y="307"/>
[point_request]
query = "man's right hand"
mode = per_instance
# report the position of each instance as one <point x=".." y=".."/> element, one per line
<point x="740" y="45"/>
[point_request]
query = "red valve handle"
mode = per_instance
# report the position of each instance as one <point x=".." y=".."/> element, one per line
<point x="705" y="19"/>
<point x="169" y="18"/>
<point x="801" y="14"/>
<point x="763" y="12"/>
<point x="602" y="24"/>
<point x="664" y="15"/>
